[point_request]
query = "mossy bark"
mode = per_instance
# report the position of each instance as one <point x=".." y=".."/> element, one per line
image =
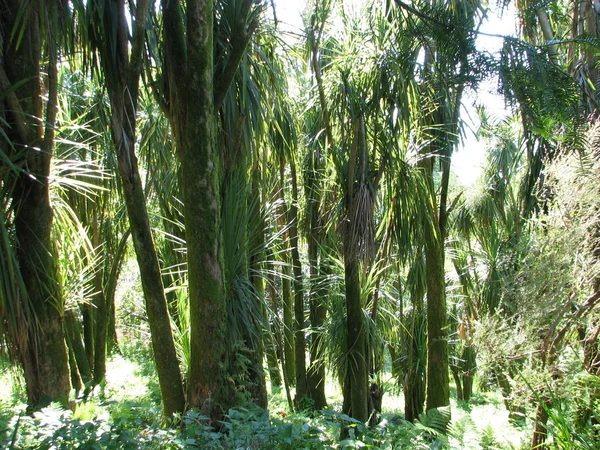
<point x="190" y="66"/>
<point x="42" y="351"/>
<point x="438" y="383"/>
<point x="356" y="339"/>
<point x="415" y="341"/>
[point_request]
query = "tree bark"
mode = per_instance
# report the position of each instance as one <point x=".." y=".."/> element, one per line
<point x="190" y="65"/>
<point x="438" y="392"/>
<point x="44" y="355"/>
<point x="356" y="339"/>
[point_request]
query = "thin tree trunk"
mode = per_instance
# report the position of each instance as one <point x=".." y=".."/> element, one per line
<point x="110" y="291"/>
<point x="123" y="93"/>
<point x="316" y="371"/>
<point x="75" y="378"/>
<point x="274" y="340"/>
<point x="87" y="314"/>
<point x="101" y="316"/>
<point x="289" y="366"/>
<point x="73" y="336"/>
<point x="299" y="322"/>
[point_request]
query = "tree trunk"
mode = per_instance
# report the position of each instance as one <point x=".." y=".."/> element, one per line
<point x="469" y="366"/>
<point x="318" y="312"/>
<point x="289" y="350"/>
<point x="273" y="338"/>
<point x="73" y="336"/>
<point x="87" y="315"/>
<point x="122" y="86"/>
<point x="414" y="367"/>
<point x="190" y="65"/>
<point x="257" y="373"/>
<point x="44" y="355"/>
<point x="540" y="431"/>
<point x="438" y="393"/>
<point x="356" y="345"/>
<point x="289" y="366"/>
<point x="101" y="329"/>
<point x="299" y="323"/>
<point x="110" y="291"/>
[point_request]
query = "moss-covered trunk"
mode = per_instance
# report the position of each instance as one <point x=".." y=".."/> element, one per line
<point x="415" y="345"/>
<point x="356" y="339"/>
<point x="41" y="351"/>
<point x="438" y="391"/>
<point x="190" y="64"/>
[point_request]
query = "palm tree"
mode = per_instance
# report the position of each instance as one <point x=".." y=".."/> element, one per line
<point x="28" y="123"/>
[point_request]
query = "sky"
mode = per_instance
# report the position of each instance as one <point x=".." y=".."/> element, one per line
<point x="467" y="161"/>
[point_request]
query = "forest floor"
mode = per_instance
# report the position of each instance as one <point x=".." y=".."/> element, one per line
<point x="125" y="414"/>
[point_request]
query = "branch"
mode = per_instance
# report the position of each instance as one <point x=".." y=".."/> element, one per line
<point x="139" y="33"/>
<point x="419" y="14"/>
<point x="13" y="103"/>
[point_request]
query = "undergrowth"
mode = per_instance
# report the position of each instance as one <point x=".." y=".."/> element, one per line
<point x="125" y="413"/>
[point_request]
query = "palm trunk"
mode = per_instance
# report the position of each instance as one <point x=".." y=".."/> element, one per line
<point x="73" y="336"/>
<point x="87" y="314"/>
<point x="468" y="372"/>
<point x="123" y="92"/>
<point x="44" y="355"/>
<point x="289" y="349"/>
<point x="356" y="341"/>
<point x="438" y="393"/>
<point x="289" y="366"/>
<point x="190" y="65"/>
<point x="257" y="373"/>
<point x="415" y="362"/>
<point x="316" y="371"/>
<point x="101" y="330"/>
<point x="299" y="323"/>
<point x="274" y="340"/>
<point x="110" y="291"/>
